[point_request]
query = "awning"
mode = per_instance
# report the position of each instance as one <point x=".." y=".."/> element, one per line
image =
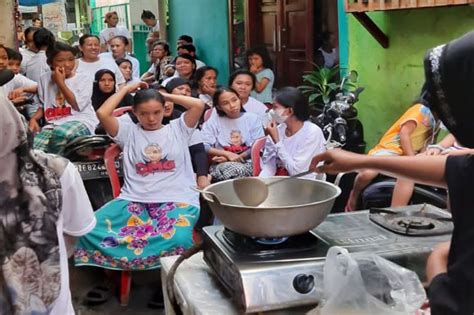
<point x="30" y="3"/>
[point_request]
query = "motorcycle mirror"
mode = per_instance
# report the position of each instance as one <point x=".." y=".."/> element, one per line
<point x="353" y="76"/>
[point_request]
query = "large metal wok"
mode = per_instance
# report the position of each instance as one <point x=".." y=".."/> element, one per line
<point x="293" y="206"/>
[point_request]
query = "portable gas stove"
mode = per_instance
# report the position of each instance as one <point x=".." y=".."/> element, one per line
<point x="262" y="275"/>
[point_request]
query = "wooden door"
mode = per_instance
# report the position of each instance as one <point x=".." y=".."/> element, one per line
<point x="285" y="27"/>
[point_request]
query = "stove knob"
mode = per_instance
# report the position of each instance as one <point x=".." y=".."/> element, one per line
<point x="303" y="283"/>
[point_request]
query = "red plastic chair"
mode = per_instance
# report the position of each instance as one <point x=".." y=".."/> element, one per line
<point x="121" y="110"/>
<point x="111" y="155"/>
<point x="255" y="155"/>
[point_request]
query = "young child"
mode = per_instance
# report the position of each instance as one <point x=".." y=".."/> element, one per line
<point x="260" y="64"/>
<point x="112" y="30"/>
<point x="156" y="211"/>
<point x="66" y="103"/>
<point x="20" y="89"/>
<point x="292" y="140"/>
<point x="220" y="130"/>
<point x="409" y="135"/>
<point x="243" y="81"/>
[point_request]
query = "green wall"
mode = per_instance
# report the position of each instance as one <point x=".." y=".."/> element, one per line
<point x="393" y="77"/>
<point x="207" y="22"/>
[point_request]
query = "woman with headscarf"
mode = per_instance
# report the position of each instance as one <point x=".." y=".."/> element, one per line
<point x="41" y="197"/>
<point x="449" y="71"/>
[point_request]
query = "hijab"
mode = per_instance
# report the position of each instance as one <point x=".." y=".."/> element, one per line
<point x="449" y="72"/>
<point x="30" y="205"/>
<point x="98" y="97"/>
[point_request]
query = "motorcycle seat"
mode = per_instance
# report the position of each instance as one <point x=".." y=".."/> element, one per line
<point x="87" y="148"/>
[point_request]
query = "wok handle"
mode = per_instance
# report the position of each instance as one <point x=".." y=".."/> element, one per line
<point x="337" y="181"/>
<point x="213" y="195"/>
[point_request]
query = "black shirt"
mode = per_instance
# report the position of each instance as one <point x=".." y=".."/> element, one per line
<point x="453" y="292"/>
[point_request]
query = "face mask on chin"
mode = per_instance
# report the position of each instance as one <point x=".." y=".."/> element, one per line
<point x="277" y="116"/>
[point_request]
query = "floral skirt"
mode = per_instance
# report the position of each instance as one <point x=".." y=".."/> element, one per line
<point x="133" y="236"/>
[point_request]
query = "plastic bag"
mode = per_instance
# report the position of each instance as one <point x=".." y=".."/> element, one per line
<point x="368" y="284"/>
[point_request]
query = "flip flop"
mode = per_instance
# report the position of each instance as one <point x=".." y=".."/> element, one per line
<point x="99" y="294"/>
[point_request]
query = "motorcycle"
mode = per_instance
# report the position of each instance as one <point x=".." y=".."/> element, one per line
<point x="87" y="154"/>
<point x="341" y="126"/>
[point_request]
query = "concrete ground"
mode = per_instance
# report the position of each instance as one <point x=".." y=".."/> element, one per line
<point x="143" y="285"/>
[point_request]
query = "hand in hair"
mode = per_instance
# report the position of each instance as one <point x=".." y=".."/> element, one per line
<point x="194" y="107"/>
<point x="132" y="88"/>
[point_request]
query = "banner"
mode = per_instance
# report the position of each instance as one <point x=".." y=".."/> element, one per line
<point x="30" y="3"/>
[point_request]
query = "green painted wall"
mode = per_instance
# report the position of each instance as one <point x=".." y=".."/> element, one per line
<point x="393" y="77"/>
<point x="207" y="22"/>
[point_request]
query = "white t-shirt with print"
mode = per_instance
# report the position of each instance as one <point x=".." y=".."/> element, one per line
<point x="195" y="138"/>
<point x="107" y="34"/>
<point x="76" y="219"/>
<point x="157" y="164"/>
<point x="221" y="132"/>
<point x="37" y="66"/>
<point x="133" y="60"/>
<point x="293" y="153"/>
<point x="258" y="108"/>
<point x="18" y="81"/>
<point x="56" y="109"/>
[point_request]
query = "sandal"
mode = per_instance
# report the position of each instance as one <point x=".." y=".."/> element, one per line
<point x="99" y="294"/>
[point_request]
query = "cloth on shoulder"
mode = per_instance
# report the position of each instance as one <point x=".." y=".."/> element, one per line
<point x="30" y="205"/>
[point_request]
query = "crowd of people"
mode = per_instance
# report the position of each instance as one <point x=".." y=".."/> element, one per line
<point x="182" y="130"/>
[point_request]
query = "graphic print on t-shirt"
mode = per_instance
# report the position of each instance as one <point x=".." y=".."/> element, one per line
<point x="154" y="161"/>
<point x="237" y="144"/>
<point x="59" y="110"/>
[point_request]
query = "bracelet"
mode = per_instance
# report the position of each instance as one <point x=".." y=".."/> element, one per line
<point x="436" y="146"/>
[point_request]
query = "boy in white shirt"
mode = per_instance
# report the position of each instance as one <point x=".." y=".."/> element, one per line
<point x="20" y="90"/>
<point x="66" y="101"/>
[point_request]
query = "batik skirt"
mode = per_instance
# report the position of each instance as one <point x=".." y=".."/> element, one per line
<point x="133" y="236"/>
<point x="54" y="140"/>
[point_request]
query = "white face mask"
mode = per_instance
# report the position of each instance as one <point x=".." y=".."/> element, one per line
<point x="277" y="115"/>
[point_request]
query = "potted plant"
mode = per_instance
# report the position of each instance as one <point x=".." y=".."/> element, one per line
<point x="322" y="85"/>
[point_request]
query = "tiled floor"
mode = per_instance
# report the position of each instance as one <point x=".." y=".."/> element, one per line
<point x="143" y="286"/>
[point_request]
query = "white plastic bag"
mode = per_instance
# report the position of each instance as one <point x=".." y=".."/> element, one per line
<point x="368" y="284"/>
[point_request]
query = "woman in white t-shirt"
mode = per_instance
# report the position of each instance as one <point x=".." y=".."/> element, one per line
<point x="229" y="135"/>
<point x="243" y="81"/>
<point x="118" y="47"/>
<point x="65" y="102"/>
<point x="44" y="208"/>
<point x="112" y="30"/>
<point x="91" y="62"/>
<point x="157" y="209"/>
<point x="206" y="81"/>
<point x="292" y="140"/>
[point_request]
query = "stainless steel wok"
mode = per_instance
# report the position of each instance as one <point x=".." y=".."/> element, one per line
<point x="293" y="206"/>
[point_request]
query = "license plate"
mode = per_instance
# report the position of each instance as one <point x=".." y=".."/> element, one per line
<point x="96" y="169"/>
